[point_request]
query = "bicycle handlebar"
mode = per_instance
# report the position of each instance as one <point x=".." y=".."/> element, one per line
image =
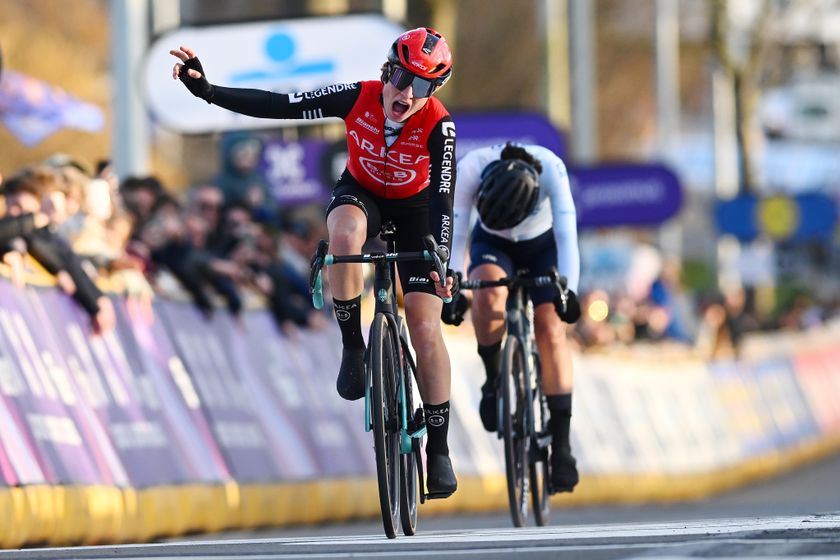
<point x="553" y="278"/>
<point x="440" y="256"/>
<point x="321" y="259"/>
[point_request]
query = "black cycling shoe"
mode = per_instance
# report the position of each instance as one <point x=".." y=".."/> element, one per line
<point x="440" y="478"/>
<point x="564" y="474"/>
<point x="488" y="409"/>
<point x="351" y="374"/>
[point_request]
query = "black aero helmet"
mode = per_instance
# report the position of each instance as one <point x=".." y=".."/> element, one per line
<point x="508" y="193"/>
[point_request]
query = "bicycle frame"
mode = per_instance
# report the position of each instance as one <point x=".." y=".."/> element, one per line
<point x="386" y="303"/>
<point x="521" y="341"/>
<point x="520" y="323"/>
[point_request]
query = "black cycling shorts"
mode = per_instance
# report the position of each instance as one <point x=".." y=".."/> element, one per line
<point x="410" y="217"/>
<point x="536" y="255"/>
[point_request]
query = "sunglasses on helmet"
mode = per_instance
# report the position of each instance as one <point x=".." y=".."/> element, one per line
<point x="421" y="87"/>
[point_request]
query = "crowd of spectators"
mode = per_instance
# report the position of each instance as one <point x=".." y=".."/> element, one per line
<point x="708" y="323"/>
<point x="222" y="248"/>
<point x="225" y="245"/>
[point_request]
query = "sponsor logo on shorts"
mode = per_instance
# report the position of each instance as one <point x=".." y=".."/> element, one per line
<point x="489" y="257"/>
<point x="418" y="280"/>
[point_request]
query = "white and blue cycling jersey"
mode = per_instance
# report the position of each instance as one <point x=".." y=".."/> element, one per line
<point x="555" y="210"/>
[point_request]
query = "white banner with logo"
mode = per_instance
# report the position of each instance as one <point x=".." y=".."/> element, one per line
<point x="283" y="56"/>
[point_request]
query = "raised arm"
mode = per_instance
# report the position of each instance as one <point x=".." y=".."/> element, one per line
<point x="330" y="101"/>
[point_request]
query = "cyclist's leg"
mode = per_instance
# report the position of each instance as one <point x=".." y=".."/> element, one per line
<point x="489" y="260"/>
<point x="350" y="216"/>
<point x="557" y="382"/>
<point x="556" y="360"/>
<point x="422" y="313"/>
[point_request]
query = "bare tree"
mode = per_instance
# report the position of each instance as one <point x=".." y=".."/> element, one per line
<point x="744" y="71"/>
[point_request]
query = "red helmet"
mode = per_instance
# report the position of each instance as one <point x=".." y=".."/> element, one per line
<point x="424" y="52"/>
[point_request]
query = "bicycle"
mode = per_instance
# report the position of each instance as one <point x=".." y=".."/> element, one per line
<point x="522" y="407"/>
<point x="389" y="375"/>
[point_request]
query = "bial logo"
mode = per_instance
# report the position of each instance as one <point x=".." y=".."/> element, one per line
<point x="418" y="280"/>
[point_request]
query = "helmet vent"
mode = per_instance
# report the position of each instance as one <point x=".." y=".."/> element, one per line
<point x="405" y="54"/>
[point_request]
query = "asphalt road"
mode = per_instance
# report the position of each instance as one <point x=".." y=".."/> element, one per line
<point x="793" y="516"/>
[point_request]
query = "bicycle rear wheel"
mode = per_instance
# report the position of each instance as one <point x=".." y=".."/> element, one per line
<point x="539" y="454"/>
<point x="408" y="461"/>
<point x="514" y="429"/>
<point x="384" y="413"/>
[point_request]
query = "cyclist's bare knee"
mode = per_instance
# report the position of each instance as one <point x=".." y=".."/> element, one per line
<point x="347" y="226"/>
<point x="422" y="314"/>
<point x="548" y="327"/>
<point x="489" y="304"/>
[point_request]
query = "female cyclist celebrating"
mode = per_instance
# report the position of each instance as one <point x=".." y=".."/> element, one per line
<point x="401" y="144"/>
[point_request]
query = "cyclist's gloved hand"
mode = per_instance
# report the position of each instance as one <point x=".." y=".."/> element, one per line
<point x="572" y="312"/>
<point x="454" y="311"/>
<point x="199" y="87"/>
<point x="456" y="282"/>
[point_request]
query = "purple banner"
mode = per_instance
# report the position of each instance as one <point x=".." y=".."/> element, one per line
<point x="620" y="195"/>
<point x="44" y="401"/>
<point x="477" y="130"/>
<point x="299" y="372"/>
<point x="149" y="350"/>
<point x="249" y="348"/>
<point x="302" y="171"/>
<point x="18" y="464"/>
<point x="238" y="431"/>
<point x="124" y="400"/>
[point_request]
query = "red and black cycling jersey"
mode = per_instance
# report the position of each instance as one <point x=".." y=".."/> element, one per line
<point x="423" y="156"/>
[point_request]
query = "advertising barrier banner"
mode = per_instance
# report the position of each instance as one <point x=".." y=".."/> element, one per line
<point x="748" y="417"/>
<point x="306" y="367"/>
<point x="273" y="393"/>
<point x="245" y="443"/>
<point x="784" y="401"/>
<point x="149" y="350"/>
<point x="45" y="397"/>
<point x="126" y="404"/>
<point x="819" y="378"/>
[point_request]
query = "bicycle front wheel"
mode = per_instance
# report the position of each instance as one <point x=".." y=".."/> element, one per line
<point x="408" y="462"/>
<point x="514" y="429"/>
<point x="539" y="453"/>
<point x="384" y="367"/>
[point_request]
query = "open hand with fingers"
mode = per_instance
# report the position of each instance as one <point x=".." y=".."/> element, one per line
<point x="190" y="72"/>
